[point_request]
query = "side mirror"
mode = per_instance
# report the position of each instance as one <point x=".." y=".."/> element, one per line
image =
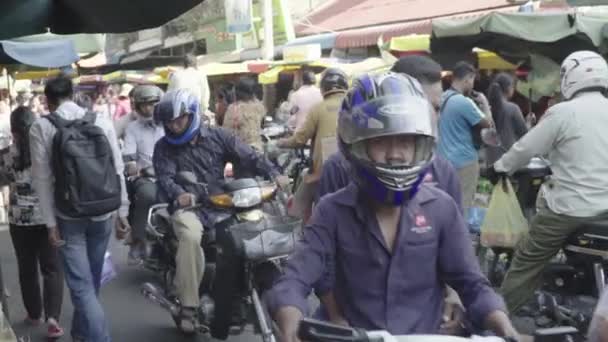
<point x="186" y="178"/>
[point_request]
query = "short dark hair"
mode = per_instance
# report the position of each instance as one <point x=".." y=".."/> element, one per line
<point x="189" y="61"/>
<point x="308" y="77"/>
<point x="462" y="70"/>
<point x="58" y="89"/>
<point x="245" y="89"/>
<point x="422" y="68"/>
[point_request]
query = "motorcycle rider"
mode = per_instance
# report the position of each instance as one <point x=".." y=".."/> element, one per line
<point x="319" y="125"/>
<point x="140" y="137"/>
<point x="572" y="135"/>
<point x="392" y="244"/>
<point x="190" y="146"/>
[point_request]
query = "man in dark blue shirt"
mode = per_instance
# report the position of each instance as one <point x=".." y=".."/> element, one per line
<point x="391" y="244"/>
<point x="188" y="145"/>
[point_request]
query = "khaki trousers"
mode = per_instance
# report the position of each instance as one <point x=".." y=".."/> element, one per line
<point x="547" y="235"/>
<point x="190" y="259"/>
<point x="469" y="177"/>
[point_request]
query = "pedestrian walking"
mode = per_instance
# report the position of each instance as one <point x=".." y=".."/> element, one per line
<point x="77" y="171"/>
<point x="28" y="233"/>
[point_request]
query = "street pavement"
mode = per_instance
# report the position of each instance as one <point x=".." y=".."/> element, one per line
<point x="131" y="316"/>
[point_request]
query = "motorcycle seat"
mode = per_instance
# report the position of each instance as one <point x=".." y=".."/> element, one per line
<point x="239" y="184"/>
<point x="591" y="239"/>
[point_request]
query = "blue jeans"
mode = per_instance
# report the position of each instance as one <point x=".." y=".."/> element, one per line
<point x="86" y="242"/>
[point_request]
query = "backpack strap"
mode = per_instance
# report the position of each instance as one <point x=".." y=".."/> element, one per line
<point x="445" y="102"/>
<point x="90" y="117"/>
<point x="56" y="120"/>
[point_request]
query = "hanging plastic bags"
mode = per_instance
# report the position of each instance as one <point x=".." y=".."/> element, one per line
<point x="504" y="223"/>
<point x="108" y="271"/>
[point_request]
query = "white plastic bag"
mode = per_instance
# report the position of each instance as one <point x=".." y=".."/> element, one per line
<point x="504" y="223"/>
<point x="109" y="271"/>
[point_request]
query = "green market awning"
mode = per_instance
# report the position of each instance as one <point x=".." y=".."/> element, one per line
<point x="517" y="35"/>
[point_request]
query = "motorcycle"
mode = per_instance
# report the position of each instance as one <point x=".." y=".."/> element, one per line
<point x="244" y="253"/>
<point x="574" y="280"/>
<point x="311" y="330"/>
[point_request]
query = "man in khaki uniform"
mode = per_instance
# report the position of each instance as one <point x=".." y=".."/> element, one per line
<point x="320" y="126"/>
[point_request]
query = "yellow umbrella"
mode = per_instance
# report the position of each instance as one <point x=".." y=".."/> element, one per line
<point x="412" y="42"/>
<point x="490" y="61"/>
<point x="36" y="75"/>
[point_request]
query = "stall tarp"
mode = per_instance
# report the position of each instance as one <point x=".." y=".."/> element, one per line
<point x="28" y="17"/>
<point x="516" y="35"/>
<point x="37" y="74"/>
<point x="413" y="42"/>
<point x="490" y="61"/>
<point x="83" y="43"/>
<point x="543" y="78"/>
<point x="44" y="54"/>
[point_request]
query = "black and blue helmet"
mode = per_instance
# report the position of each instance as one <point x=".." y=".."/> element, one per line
<point x="384" y="105"/>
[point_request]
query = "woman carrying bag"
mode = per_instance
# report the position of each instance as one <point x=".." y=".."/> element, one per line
<point x="28" y="232"/>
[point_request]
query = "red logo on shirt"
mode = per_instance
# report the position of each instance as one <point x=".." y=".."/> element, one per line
<point x="421" y="220"/>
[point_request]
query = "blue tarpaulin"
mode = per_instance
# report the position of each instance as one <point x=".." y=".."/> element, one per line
<point x="47" y="54"/>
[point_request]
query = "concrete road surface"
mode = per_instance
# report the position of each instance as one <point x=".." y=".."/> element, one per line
<point x="131" y="317"/>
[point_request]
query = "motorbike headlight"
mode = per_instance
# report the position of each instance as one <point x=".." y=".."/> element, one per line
<point x="247" y="198"/>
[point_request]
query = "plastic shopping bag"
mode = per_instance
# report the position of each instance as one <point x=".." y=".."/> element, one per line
<point x="108" y="271"/>
<point x="504" y="223"/>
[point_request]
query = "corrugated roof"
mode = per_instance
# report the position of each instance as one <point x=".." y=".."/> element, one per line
<point x="339" y="15"/>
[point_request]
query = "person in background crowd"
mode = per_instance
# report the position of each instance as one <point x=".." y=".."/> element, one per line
<point x="572" y="136"/>
<point x="224" y="97"/>
<point x="192" y="79"/>
<point x="507" y="116"/>
<point x="244" y="116"/>
<point x="84" y="240"/>
<point x="123" y="105"/>
<point x="84" y="101"/>
<point x="36" y="106"/>
<point x="140" y="137"/>
<point x="28" y="232"/>
<point x="120" y="125"/>
<point x="101" y="106"/>
<point x="303" y="100"/>
<point x="459" y="120"/>
<point x="320" y="126"/>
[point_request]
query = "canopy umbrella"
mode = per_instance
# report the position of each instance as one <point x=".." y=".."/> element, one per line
<point x="83" y="43"/>
<point x="28" y="17"/>
<point x="514" y="36"/>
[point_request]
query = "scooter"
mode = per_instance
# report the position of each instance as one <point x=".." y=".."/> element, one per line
<point x="244" y="253"/>
<point x="317" y="331"/>
<point x="575" y="279"/>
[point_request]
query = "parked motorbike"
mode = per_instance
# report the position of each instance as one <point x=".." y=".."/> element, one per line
<point x="311" y="330"/>
<point x="244" y="252"/>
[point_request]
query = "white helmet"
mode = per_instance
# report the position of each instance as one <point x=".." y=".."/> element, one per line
<point x="583" y="70"/>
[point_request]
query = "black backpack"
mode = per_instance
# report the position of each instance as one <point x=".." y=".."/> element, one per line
<point x="86" y="181"/>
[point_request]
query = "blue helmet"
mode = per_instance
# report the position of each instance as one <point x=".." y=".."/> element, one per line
<point x="173" y="105"/>
<point x="384" y="105"/>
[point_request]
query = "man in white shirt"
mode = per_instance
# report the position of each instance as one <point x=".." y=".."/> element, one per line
<point x="140" y="137"/>
<point x="83" y="240"/>
<point x="192" y="79"/>
<point x="572" y="136"/>
<point x="303" y="100"/>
